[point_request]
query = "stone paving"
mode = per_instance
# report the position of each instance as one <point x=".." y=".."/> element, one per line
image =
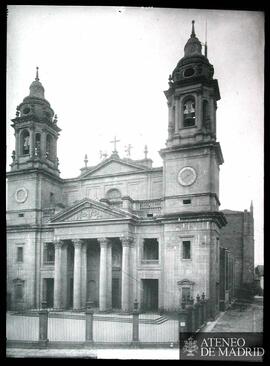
<point x="241" y="317"/>
<point x="123" y="354"/>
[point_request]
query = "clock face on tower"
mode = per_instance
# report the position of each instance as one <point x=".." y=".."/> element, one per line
<point x="187" y="176"/>
<point x="21" y="195"/>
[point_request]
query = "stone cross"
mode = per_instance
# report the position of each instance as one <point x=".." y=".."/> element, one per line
<point x="114" y="141"/>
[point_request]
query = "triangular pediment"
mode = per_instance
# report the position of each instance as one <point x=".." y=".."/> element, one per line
<point x="89" y="210"/>
<point x="113" y="167"/>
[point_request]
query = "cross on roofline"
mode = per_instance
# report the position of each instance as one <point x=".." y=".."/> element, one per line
<point x="114" y="141"/>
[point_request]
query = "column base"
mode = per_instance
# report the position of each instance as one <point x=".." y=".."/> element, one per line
<point x="43" y="343"/>
<point x="135" y="344"/>
<point x="58" y="309"/>
<point x="78" y="310"/>
<point x="88" y="343"/>
<point x="127" y="312"/>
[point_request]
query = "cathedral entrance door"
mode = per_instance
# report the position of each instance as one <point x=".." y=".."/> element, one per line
<point x="48" y="291"/>
<point x="150" y="295"/>
<point x="92" y="292"/>
<point x="116" y="304"/>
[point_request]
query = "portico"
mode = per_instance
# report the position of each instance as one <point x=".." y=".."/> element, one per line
<point x="85" y="269"/>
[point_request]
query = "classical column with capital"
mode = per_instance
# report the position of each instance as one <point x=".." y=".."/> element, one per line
<point x="57" y="274"/>
<point x="103" y="274"/>
<point x="77" y="274"/>
<point x="84" y="276"/>
<point x="126" y="242"/>
<point x="109" y="275"/>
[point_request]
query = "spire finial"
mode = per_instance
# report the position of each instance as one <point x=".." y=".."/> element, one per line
<point x="85" y="160"/>
<point x="193" y="30"/>
<point x="145" y="152"/>
<point x="37" y="78"/>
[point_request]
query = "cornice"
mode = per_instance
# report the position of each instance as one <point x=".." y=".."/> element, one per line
<point x="216" y="216"/>
<point x="34" y="171"/>
<point x="194" y="146"/>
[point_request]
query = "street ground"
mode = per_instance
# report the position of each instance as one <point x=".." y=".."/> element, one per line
<point x="241" y="317"/>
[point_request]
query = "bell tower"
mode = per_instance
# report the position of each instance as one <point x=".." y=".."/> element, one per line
<point x="192" y="155"/>
<point x="34" y="183"/>
<point x="191" y="161"/>
<point x="36" y="133"/>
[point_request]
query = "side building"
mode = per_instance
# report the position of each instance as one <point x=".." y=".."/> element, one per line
<point x="236" y="256"/>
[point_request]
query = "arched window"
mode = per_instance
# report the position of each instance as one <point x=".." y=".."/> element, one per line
<point x="113" y="194"/>
<point x="206" y="114"/>
<point x="25" y="142"/>
<point x="189" y="112"/>
<point x="49" y="146"/>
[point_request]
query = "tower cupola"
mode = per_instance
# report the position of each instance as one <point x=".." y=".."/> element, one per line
<point x="193" y="45"/>
<point x="36" y="88"/>
<point x="194" y="65"/>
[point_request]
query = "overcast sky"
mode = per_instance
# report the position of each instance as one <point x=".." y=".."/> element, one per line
<point x="104" y="70"/>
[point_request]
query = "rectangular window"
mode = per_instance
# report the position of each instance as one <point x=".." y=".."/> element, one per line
<point x="18" y="291"/>
<point x="185" y="294"/>
<point x="150" y="249"/>
<point x="186" y="202"/>
<point x="21" y="215"/>
<point x="186" y="250"/>
<point x="48" y="254"/>
<point x="19" y="254"/>
<point x="52" y="198"/>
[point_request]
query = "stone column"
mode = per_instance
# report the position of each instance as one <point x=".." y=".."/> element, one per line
<point x="18" y="147"/>
<point x="177" y="114"/>
<point x="57" y="274"/>
<point x="64" y="283"/>
<point x="109" y="275"/>
<point x="84" y="275"/>
<point x="198" y="110"/>
<point x="77" y="274"/>
<point x="103" y="274"/>
<point x="32" y="143"/>
<point x="125" y="273"/>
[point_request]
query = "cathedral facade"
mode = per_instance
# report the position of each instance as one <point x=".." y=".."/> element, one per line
<point x="123" y="229"/>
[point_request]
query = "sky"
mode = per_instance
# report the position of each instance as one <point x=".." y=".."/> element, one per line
<point x="104" y="70"/>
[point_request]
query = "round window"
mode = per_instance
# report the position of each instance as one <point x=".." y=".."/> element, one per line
<point x="26" y="110"/>
<point x="189" y="72"/>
